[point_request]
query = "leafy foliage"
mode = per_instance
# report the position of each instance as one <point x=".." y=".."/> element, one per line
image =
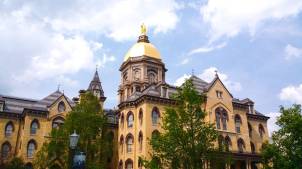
<point x="15" y="163"/>
<point x="286" y="150"/>
<point x="188" y="139"/>
<point x="89" y="122"/>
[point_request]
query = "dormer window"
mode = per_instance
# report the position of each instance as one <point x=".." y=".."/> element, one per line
<point x="61" y="107"/>
<point x="219" y="94"/>
<point x="1" y="106"/>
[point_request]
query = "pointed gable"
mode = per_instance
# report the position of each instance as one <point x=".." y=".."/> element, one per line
<point x="95" y="84"/>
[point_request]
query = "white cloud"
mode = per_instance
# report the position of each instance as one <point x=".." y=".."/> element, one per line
<point x="292" y="94"/>
<point x="208" y="75"/>
<point x="185" y="61"/>
<point x="116" y="19"/>
<point x="54" y="40"/>
<point x="292" y="52"/>
<point x="271" y="123"/>
<point x="207" y="48"/>
<point x="229" y="18"/>
<point x="181" y="80"/>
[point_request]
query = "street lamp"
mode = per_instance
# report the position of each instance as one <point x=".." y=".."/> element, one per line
<point x="73" y="140"/>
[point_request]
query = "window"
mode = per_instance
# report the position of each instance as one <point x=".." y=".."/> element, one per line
<point x="155" y="116"/>
<point x="220" y="142"/>
<point x="129" y="143"/>
<point x="34" y="127"/>
<point x="253" y="148"/>
<point x="140" y="116"/>
<point x="61" y="107"/>
<point x="140" y="141"/>
<point x="261" y="130"/>
<point x="250" y="130"/>
<point x="122" y="143"/>
<point x="152" y="78"/>
<point x="155" y="134"/>
<point x="122" y="120"/>
<point x="129" y="164"/>
<point x="130" y="119"/>
<point x="140" y="164"/>
<point x="120" y="165"/>
<point x="1" y="106"/>
<point x="228" y="143"/>
<point x="217" y="119"/>
<point x="57" y="122"/>
<point x="237" y="123"/>
<point x="219" y="94"/>
<point x="241" y="145"/>
<point x="9" y="128"/>
<point x="6" y="148"/>
<point x="224" y="120"/>
<point x="31" y="147"/>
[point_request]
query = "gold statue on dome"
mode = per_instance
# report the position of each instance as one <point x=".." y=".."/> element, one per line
<point x="143" y="29"/>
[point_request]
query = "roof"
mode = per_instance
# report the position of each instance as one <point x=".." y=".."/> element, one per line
<point x="142" y="48"/>
<point x="200" y="85"/>
<point x="17" y="104"/>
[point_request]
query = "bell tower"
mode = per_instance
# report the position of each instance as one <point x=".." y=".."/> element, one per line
<point x="141" y="68"/>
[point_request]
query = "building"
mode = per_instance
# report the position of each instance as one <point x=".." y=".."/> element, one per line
<point x="27" y="123"/>
<point x="143" y="96"/>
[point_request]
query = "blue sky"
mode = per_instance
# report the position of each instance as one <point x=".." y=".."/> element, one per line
<point x="255" y="45"/>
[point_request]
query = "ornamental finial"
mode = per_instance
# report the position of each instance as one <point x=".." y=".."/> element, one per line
<point x="143" y="29"/>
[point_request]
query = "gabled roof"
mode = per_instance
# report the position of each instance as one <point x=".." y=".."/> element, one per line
<point x="17" y="105"/>
<point x="95" y="84"/>
<point x="199" y="84"/>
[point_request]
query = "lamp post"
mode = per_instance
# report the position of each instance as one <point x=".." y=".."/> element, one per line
<point x="73" y="141"/>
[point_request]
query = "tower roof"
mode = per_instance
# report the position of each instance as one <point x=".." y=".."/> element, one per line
<point x="143" y="47"/>
<point x="95" y="84"/>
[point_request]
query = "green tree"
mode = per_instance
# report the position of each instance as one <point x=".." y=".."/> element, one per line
<point x="15" y="163"/>
<point x="88" y="121"/>
<point x="286" y="149"/>
<point x="188" y="140"/>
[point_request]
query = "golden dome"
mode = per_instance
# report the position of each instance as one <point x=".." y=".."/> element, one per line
<point x="143" y="47"/>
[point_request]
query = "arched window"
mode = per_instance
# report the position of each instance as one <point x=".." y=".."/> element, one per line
<point x="6" y="149"/>
<point x="120" y="164"/>
<point x="140" y="164"/>
<point x="57" y="122"/>
<point x="261" y="130"/>
<point x="122" y="143"/>
<point x="241" y="145"/>
<point x="9" y="129"/>
<point x="155" y="134"/>
<point x="129" y="141"/>
<point x="61" y="107"/>
<point x="228" y="143"/>
<point x="129" y="164"/>
<point x="253" y="148"/>
<point x="220" y="142"/>
<point x="31" y="148"/>
<point x="140" y="116"/>
<point x="130" y="119"/>
<point x="29" y="166"/>
<point x="155" y="116"/>
<point x="34" y="126"/>
<point x="140" y="140"/>
<point x="224" y="120"/>
<point x="122" y="120"/>
<point x="152" y="77"/>
<point x="217" y="119"/>
<point x="250" y="129"/>
<point x="237" y="123"/>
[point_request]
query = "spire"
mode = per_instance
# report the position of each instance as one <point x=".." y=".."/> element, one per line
<point x="95" y="86"/>
<point x="143" y="36"/>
